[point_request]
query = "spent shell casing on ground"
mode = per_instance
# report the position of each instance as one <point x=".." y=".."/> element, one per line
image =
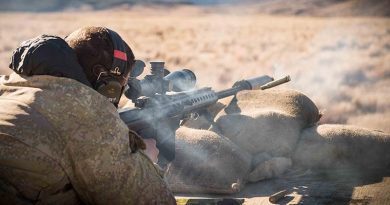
<point x="277" y="196"/>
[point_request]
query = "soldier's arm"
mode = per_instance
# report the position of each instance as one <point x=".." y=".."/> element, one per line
<point x="97" y="155"/>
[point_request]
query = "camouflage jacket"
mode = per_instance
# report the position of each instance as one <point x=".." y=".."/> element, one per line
<point x="63" y="143"/>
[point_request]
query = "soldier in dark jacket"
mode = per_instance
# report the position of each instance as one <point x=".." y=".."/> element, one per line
<point x="61" y="142"/>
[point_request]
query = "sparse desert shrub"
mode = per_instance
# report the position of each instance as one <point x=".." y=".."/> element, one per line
<point x="327" y="58"/>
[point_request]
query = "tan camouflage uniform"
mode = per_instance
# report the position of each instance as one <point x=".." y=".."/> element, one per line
<point x="61" y="141"/>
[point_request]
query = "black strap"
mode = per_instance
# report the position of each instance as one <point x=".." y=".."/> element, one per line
<point x="118" y="44"/>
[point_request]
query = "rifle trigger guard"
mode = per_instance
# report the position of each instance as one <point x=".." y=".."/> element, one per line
<point x="194" y="115"/>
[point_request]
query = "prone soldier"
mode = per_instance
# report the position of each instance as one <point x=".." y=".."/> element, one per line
<point x="61" y="142"/>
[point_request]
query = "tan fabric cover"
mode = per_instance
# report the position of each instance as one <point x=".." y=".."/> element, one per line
<point x="269" y="121"/>
<point x="206" y="162"/>
<point x="329" y="146"/>
<point x="269" y="131"/>
<point x="289" y="101"/>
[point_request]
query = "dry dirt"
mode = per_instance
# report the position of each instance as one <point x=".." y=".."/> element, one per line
<point x="342" y="63"/>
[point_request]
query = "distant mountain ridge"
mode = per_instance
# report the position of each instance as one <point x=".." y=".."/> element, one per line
<point x="272" y="7"/>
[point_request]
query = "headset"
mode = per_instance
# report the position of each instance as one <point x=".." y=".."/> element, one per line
<point x="107" y="83"/>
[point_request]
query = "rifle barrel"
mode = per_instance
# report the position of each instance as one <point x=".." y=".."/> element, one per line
<point x="262" y="83"/>
<point x="229" y="92"/>
<point x="276" y="82"/>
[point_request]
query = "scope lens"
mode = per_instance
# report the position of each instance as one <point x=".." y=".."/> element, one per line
<point x="181" y="80"/>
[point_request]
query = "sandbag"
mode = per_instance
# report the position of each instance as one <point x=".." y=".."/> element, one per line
<point x="206" y="163"/>
<point x="330" y="146"/>
<point x="289" y="101"/>
<point x="271" y="168"/>
<point x="262" y="130"/>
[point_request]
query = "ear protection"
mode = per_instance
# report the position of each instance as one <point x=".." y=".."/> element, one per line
<point x="107" y="83"/>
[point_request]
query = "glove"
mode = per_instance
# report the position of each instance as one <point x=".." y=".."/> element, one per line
<point x="136" y="142"/>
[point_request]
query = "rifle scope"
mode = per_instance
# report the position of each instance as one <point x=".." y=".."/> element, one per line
<point x="159" y="81"/>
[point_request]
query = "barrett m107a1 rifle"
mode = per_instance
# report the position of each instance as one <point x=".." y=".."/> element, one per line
<point x="162" y="100"/>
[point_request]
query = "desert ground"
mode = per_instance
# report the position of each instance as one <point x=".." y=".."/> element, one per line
<point x="341" y="63"/>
